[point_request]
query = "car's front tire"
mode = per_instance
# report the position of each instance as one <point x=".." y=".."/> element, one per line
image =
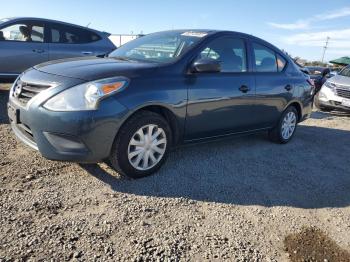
<point x="142" y="145"/>
<point x="284" y="131"/>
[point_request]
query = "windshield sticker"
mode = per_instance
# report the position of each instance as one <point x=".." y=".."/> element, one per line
<point x="195" y="34"/>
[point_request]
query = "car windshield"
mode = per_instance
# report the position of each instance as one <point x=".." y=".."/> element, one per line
<point x="161" y="47"/>
<point x="345" y="71"/>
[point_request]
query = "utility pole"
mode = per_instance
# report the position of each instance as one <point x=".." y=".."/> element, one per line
<point x="325" y="48"/>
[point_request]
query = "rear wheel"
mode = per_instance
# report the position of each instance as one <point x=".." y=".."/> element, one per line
<point x="142" y="145"/>
<point x="284" y="130"/>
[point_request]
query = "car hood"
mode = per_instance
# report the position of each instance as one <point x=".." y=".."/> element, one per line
<point x="340" y="80"/>
<point x="93" y="68"/>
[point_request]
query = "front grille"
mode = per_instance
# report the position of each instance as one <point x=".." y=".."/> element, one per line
<point x="342" y="92"/>
<point x="24" y="91"/>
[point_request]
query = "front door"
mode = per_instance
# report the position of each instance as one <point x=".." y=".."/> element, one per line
<point x="22" y="46"/>
<point x="221" y="103"/>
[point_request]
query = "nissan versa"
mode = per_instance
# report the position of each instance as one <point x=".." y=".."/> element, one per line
<point x="156" y="92"/>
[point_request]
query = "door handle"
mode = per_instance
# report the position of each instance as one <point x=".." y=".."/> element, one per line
<point x="39" y="51"/>
<point x="288" y="87"/>
<point x="87" y="53"/>
<point x="244" y="89"/>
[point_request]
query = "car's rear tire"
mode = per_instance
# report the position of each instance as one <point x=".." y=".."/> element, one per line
<point x="285" y="129"/>
<point x="142" y="145"/>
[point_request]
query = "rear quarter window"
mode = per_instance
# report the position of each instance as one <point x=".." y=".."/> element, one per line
<point x="281" y="63"/>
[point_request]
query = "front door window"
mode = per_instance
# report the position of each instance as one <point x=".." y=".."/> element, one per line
<point x="22" y="32"/>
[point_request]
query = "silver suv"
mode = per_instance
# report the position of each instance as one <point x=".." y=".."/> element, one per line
<point x="25" y="42"/>
<point x="335" y="93"/>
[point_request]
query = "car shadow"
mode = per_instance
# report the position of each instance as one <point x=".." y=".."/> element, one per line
<point x="329" y="115"/>
<point x="310" y="172"/>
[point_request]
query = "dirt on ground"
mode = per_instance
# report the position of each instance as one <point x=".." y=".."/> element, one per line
<point x="311" y="244"/>
<point x="233" y="200"/>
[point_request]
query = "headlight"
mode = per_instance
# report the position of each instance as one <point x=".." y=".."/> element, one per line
<point x="86" y="96"/>
<point x="329" y="85"/>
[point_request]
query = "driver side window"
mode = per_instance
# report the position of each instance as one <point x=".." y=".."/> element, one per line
<point x="22" y="32"/>
<point x="229" y="51"/>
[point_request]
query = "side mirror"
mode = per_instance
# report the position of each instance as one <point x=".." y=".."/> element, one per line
<point x="206" y="65"/>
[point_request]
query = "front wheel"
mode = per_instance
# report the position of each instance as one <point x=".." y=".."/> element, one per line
<point x="284" y="130"/>
<point x="142" y="145"/>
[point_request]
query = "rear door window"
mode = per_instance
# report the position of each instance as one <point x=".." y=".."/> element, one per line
<point x="72" y="35"/>
<point x="265" y="59"/>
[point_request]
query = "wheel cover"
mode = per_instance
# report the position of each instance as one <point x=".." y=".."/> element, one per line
<point x="288" y="125"/>
<point x="147" y="147"/>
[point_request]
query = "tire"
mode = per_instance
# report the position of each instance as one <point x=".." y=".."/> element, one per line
<point x="128" y="143"/>
<point x="276" y="133"/>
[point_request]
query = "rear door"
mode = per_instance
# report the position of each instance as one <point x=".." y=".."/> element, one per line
<point x="69" y="41"/>
<point x="22" y="45"/>
<point x="222" y="103"/>
<point x="274" y="86"/>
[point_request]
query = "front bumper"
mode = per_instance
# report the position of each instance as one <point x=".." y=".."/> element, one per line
<point x="329" y="99"/>
<point x="83" y="136"/>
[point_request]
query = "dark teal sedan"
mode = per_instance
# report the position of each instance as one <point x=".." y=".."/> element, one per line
<point x="159" y="91"/>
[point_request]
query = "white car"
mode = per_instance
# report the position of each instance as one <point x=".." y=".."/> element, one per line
<point x="335" y="93"/>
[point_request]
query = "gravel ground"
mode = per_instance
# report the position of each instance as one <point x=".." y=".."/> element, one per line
<point x="234" y="200"/>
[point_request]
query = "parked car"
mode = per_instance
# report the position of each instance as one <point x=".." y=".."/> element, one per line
<point x="319" y="75"/>
<point x="159" y="91"/>
<point x="335" y="93"/>
<point x="25" y="42"/>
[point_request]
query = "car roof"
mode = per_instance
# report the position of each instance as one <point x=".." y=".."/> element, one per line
<point x="12" y="19"/>
<point x="207" y="31"/>
<point x="239" y="34"/>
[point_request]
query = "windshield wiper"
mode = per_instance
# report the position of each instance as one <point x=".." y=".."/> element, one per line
<point x="122" y="58"/>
